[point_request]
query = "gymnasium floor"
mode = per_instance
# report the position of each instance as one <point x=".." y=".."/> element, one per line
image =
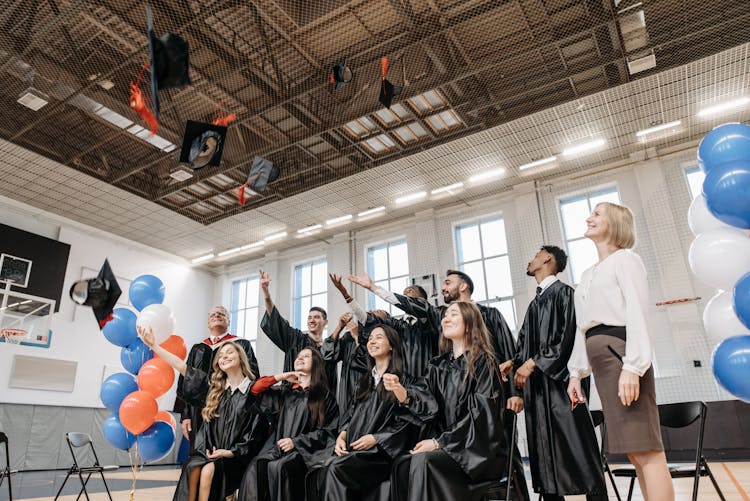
<point x="157" y="484"/>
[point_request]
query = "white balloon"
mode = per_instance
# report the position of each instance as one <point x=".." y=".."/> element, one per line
<point x="720" y="320"/>
<point x="160" y="319"/>
<point x="700" y="218"/>
<point x="720" y="257"/>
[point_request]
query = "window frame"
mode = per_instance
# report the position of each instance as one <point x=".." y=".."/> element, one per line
<point x="293" y="288"/>
<point x="234" y="309"/>
<point x="370" y="301"/>
<point x="686" y="174"/>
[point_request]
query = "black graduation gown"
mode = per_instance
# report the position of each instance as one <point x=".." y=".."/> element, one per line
<point x="467" y="427"/>
<point x="277" y="475"/>
<point x="419" y="340"/>
<point x="200" y="357"/>
<point x="291" y="341"/>
<point x="353" y="365"/>
<point x="238" y="428"/>
<point x="563" y="451"/>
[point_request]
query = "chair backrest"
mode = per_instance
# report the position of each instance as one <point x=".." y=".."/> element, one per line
<point x="681" y="414"/>
<point x="77" y="440"/>
<point x="4" y="440"/>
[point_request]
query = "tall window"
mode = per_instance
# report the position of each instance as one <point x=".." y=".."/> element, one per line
<point x="310" y="289"/>
<point x="388" y="265"/>
<point x="695" y="177"/>
<point x="482" y="253"/>
<point x="574" y="211"/>
<point x="244" y="310"/>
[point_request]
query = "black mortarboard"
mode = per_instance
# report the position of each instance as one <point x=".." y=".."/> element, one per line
<point x="101" y="293"/>
<point x="341" y="74"/>
<point x="202" y="144"/>
<point x="169" y="61"/>
<point x="262" y="172"/>
<point x="387" y="90"/>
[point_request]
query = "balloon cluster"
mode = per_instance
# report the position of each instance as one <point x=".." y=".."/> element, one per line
<point x="131" y="395"/>
<point x="720" y="254"/>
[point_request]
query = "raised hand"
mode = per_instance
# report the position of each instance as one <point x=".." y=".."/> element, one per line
<point x="391" y="383"/>
<point x="265" y="281"/>
<point x="336" y="279"/>
<point x="345" y="319"/>
<point x="147" y="335"/>
<point x="363" y="280"/>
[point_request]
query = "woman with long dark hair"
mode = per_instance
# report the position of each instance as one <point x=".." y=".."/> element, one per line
<point x="304" y="415"/>
<point x="467" y="443"/>
<point x="232" y="432"/>
<point x="374" y="432"/>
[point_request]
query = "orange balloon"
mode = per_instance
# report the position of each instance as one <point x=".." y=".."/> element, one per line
<point x="175" y="345"/>
<point x="156" y="377"/>
<point x="138" y="411"/>
<point x="167" y="418"/>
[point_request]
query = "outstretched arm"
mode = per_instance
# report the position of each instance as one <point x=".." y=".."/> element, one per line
<point x="265" y="281"/>
<point x="176" y="362"/>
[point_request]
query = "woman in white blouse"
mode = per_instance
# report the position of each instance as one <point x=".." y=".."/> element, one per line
<point x="613" y="342"/>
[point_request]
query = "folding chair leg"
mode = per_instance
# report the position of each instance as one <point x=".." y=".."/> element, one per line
<point x="713" y="481"/>
<point x="612" y="481"/>
<point x="105" y="485"/>
<point x="630" y="490"/>
<point x="63" y="484"/>
<point x="83" y="487"/>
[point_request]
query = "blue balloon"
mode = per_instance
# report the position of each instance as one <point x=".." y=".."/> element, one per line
<point x="116" y="434"/>
<point x="156" y="442"/>
<point x="135" y="355"/>
<point x="725" y="143"/>
<point x="121" y="329"/>
<point x="727" y="190"/>
<point x="741" y="300"/>
<point x="731" y="365"/>
<point x="115" y="388"/>
<point x="146" y="290"/>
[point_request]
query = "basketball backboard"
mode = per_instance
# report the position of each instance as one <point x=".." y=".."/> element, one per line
<point x="25" y="317"/>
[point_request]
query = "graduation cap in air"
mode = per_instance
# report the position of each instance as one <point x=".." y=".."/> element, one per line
<point x="341" y="74"/>
<point x="101" y="293"/>
<point x="387" y="90"/>
<point x="202" y="144"/>
<point x="262" y="172"/>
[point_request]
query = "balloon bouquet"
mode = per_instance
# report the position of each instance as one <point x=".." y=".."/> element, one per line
<point x="720" y="254"/>
<point x="131" y="396"/>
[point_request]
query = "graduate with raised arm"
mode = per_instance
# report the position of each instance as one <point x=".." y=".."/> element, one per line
<point x="232" y="433"/>
<point x="304" y="415"/>
<point x="291" y="340"/>
<point x="563" y="452"/>
<point x="377" y="429"/>
<point x="467" y="442"/>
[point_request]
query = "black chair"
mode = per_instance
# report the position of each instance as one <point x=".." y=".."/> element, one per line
<point x="6" y="472"/>
<point x="503" y="488"/>
<point x="78" y="440"/>
<point x="598" y="418"/>
<point x="681" y="415"/>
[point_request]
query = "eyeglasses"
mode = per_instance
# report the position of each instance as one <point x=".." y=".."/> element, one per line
<point x="220" y="314"/>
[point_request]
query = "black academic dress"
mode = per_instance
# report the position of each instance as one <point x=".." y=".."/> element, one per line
<point x="277" y="475"/>
<point x="419" y="339"/>
<point x="563" y="451"/>
<point x="239" y="428"/>
<point x="358" y="474"/>
<point x="291" y="341"/>
<point x="353" y="365"/>
<point x="200" y="357"/>
<point x="467" y="428"/>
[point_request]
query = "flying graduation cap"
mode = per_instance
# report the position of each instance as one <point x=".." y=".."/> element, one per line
<point x="169" y="63"/>
<point x="101" y="293"/>
<point x="262" y="172"/>
<point x="341" y="74"/>
<point x="387" y="90"/>
<point x="202" y="144"/>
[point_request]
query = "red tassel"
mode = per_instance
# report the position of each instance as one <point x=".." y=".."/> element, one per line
<point x="383" y="66"/>
<point x="241" y="194"/>
<point x="224" y="121"/>
<point x="138" y="102"/>
<point x="331" y="79"/>
<point x="102" y="323"/>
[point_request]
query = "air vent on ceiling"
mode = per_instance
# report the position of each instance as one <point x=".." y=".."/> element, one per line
<point x="33" y="99"/>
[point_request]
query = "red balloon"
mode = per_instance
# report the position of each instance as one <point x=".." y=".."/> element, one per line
<point x="175" y="345"/>
<point x="138" y="411"/>
<point x="156" y="377"/>
<point x="167" y="418"/>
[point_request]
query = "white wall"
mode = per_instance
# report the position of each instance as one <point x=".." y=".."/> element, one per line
<point x="190" y="293"/>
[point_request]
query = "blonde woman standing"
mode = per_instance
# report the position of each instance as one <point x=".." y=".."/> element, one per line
<point x="613" y="342"/>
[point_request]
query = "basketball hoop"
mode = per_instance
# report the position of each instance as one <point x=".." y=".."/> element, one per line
<point x="13" y="336"/>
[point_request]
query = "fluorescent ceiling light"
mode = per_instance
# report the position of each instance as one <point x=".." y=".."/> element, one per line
<point x="411" y="197"/>
<point x="227" y="252"/>
<point x="537" y="163"/>
<point x="308" y="229"/>
<point x="33" y="99"/>
<point x="584" y="148"/>
<point x="450" y="187"/>
<point x="658" y="128"/>
<point x="370" y="212"/>
<point x="727" y="106"/>
<point x="253" y="245"/>
<point x="114" y="118"/>
<point x="275" y="236"/>
<point x="490" y="174"/>
<point x="203" y="258"/>
<point x="337" y="220"/>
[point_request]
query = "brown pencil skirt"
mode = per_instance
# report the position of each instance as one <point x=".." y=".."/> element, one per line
<point x="629" y="429"/>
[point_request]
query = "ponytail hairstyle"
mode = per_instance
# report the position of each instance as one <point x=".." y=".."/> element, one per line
<point x="476" y="337"/>
<point x="395" y="366"/>
<point x="319" y="389"/>
<point x="218" y="380"/>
